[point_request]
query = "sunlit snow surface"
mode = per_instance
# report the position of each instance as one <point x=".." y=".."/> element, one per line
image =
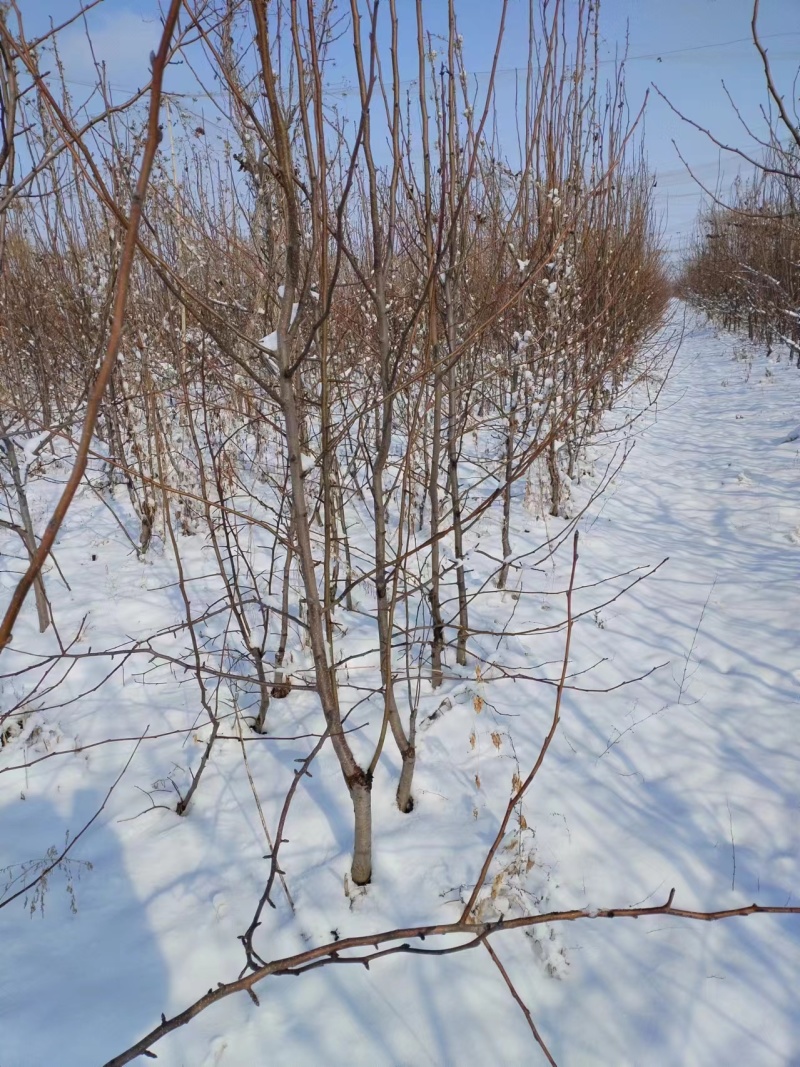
<point x="689" y="778"/>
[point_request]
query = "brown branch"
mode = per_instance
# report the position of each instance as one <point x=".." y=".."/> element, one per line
<point x="721" y="144"/>
<point x="397" y="940"/>
<point x="520" y="792"/>
<point x="114" y="340"/>
<point x="523" y="1006"/>
<point x="773" y="92"/>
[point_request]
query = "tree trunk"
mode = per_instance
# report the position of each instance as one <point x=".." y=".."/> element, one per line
<point x="455" y="491"/>
<point x="26" y="532"/>
<point x="437" y="623"/>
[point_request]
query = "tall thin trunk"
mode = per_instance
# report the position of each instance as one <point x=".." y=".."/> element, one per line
<point x="384" y="604"/>
<point x="382" y="237"/>
<point x="453" y="442"/>
<point x="26" y="531"/>
<point x="282" y="687"/>
<point x="357" y="780"/>
<point x="437" y="622"/>
<point x="502" y="578"/>
<point x="554" y="473"/>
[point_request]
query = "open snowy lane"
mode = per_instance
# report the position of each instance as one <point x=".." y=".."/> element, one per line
<point x="691" y="778"/>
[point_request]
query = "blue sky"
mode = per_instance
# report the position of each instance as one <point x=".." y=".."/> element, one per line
<point x="689" y="48"/>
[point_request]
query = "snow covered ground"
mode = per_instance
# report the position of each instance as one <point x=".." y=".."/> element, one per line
<point x="685" y="779"/>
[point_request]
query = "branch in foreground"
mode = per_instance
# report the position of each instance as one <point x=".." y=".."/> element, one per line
<point x="397" y="941"/>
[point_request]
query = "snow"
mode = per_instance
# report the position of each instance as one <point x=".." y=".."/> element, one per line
<point x="270" y="342"/>
<point x="685" y="779"/>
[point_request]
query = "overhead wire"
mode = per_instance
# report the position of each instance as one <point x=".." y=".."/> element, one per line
<point x="347" y="88"/>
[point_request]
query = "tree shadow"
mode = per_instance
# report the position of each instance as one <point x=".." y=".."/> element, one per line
<point x="70" y="940"/>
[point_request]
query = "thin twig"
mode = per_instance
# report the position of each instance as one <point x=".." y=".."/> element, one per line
<point x="523" y="1006"/>
<point x="520" y="792"/>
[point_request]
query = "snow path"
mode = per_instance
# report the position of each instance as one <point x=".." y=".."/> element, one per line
<point x="707" y="754"/>
<point x="689" y="778"/>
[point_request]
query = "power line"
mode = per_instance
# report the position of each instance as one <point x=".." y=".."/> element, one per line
<point x="347" y="88"/>
<point x="714" y="44"/>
